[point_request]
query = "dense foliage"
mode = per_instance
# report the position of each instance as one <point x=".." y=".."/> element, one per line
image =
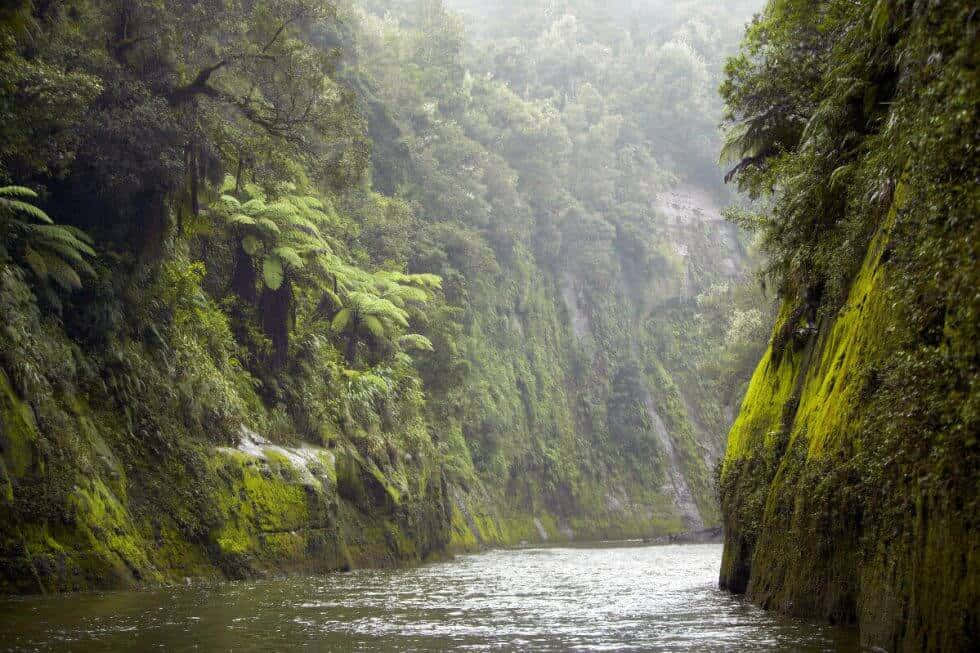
<point x="448" y="256"/>
<point x="858" y="124"/>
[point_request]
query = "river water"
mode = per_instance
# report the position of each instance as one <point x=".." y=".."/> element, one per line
<point x="608" y="598"/>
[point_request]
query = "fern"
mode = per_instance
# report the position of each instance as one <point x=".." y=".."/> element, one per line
<point x="289" y="256"/>
<point x="415" y="341"/>
<point x="272" y="272"/>
<point x="49" y="251"/>
<point x="374" y="326"/>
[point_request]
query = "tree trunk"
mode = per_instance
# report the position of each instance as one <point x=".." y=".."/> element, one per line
<point x="243" y="280"/>
<point x="351" y="352"/>
<point x="238" y="176"/>
<point x="276" y="308"/>
<point x="153" y="227"/>
<point x="195" y="181"/>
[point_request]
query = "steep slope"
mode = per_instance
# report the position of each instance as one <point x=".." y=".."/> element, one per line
<point x="599" y="286"/>
<point x="850" y="483"/>
<point x="424" y="314"/>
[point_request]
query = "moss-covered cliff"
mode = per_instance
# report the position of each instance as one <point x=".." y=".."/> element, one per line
<point x="850" y="484"/>
<point x="321" y="289"/>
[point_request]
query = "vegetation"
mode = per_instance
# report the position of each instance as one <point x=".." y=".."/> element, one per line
<point x="339" y="283"/>
<point x="857" y="123"/>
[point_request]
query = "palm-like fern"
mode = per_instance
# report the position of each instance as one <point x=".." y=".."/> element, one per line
<point x="368" y="315"/>
<point x="29" y="235"/>
<point x="285" y="233"/>
<point x="289" y="236"/>
<point x="372" y="304"/>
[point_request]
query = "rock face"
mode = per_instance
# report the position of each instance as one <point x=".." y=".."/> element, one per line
<point x="93" y="498"/>
<point x="828" y="511"/>
<point x="208" y="512"/>
<point x="631" y="398"/>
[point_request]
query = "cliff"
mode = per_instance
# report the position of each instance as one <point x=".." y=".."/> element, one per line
<point x="849" y="487"/>
<point x="240" y="342"/>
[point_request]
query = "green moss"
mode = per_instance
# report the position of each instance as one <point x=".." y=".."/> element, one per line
<point x="108" y="533"/>
<point x="257" y="499"/>
<point x="18" y="434"/>
<point x="462" y="537"/>
<point x="820" y="518"/>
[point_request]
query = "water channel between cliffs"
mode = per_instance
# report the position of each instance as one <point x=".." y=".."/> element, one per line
<point x="612" y="596"/>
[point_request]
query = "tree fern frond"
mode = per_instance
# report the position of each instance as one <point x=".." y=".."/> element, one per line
<point x="415" y="341"/>
<point x="374" y="326"/>
<point x="36" y="263"/>
<point x="268" y="226"/>
<point x="255" y="191"/>
<point x="734" y="147"/>
<point x="272" y="272"/>
<point x="46" y="233"/>
<point x="304" y="224"/>
<point x="17" y="207"/>
<point x="241" y="220"/>
<point x="289" y="256"/>
<point x="253" y="207"/>
<point x="840" y="175"/>
<point x="880" y="17"/>
<point x="341" y="320"/>
<point x="21" y="192"/>
<point x="80" y="235"/>
<point x="65" y="275"/>
<point x="329" y="300"/>
<point x="66" y="250"/>
<point x="406" y="293"/>
<point x="280" y="211"/>
<point x="231" y="202"/>
<point x="312" y="202"/>
<point x="251" y="245"/>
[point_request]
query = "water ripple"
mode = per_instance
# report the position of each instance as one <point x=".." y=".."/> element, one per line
<point x="611" y="598"/>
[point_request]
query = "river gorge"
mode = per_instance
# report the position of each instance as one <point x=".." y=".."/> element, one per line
<point x="608" y="596"/>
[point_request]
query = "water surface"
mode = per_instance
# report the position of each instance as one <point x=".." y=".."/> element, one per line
<point x="607" y="598"/>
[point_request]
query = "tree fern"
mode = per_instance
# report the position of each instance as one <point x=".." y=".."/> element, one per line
<point x="51" y="252"/>
<point x="415" y="341"/>
<point x="374" y="326"/>
<point x="272" y="272"/>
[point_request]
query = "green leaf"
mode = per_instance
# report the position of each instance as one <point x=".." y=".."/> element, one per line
<point x="228" y="184"/>
<point x="341" y="320"/>
<point x="64" y="274"/>
<point x="242" y="220"/>
<point x="880" y="17"/>
<point x="374" y="325"/>
<point x="47" y="234"/>
<point x="18" y="191"/>
<point x="268" y="226"/>
<point x="840" y="175"/>
<point x="272" y="272"/>
<point x="304" y="225"/>
<point x="289" y="256"/>
<point x="231" y="202"/>
<point x="253" y="207"/>
<point x="36" y="263"/>
<point x="251" y="245"/>
<point x="23" y="208"/>
<point x="415" y="341"/>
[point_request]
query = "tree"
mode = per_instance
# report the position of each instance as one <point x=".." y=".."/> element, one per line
<point x="29" y="236"/>
<point x="378" y="311"/>
<point x="281" y="236"/>
<point x="366" y="315"/>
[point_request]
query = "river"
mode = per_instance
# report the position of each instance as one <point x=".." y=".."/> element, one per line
<point x="608" y="597"/>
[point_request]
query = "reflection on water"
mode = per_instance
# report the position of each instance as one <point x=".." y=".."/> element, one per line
<point x="589" y="598"/>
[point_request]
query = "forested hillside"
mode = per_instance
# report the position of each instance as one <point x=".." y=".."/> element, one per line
<point x="288" y="284"/>
<point x="850" y="482"/>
